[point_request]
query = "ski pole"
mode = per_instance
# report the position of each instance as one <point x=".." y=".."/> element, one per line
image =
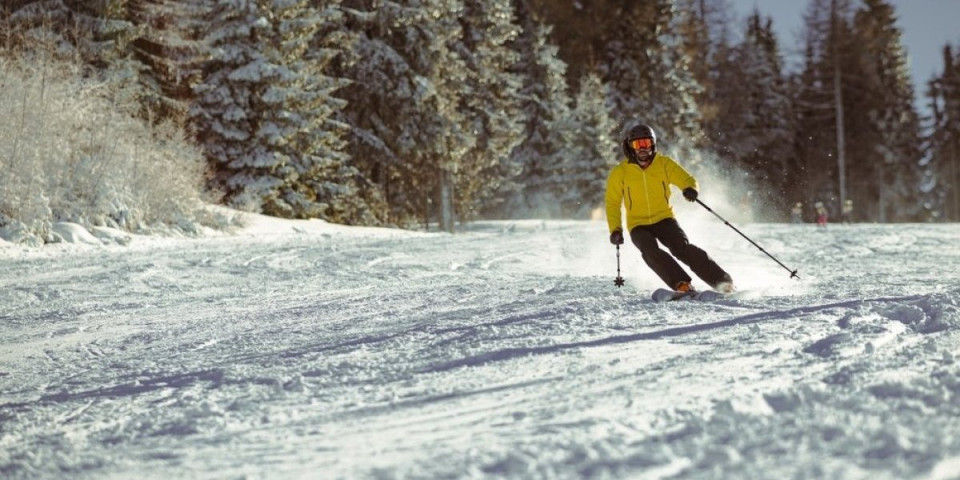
<point x="619" y="280"/>
<point x="793" y="273"/>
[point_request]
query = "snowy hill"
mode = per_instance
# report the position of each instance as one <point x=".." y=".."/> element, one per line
<point x="299" y="349"/>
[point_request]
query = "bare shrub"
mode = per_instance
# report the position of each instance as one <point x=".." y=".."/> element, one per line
<point x="72" y="149"/>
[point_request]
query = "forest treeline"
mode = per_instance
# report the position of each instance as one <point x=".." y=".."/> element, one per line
<point x="407" y="113"/>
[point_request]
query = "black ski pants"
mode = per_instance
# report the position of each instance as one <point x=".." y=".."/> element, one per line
<point x="669" y="233"/>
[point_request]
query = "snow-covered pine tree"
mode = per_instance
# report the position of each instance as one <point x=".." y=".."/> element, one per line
<point x="649" y="76"/>
<point x="705" y="27"/>
<point x="545" y="100"/>
<point x="339" y="185"/>
<point x="888" y="143"/>
<point x="150" y="45"/>
<point x="491" y="103"/>
<point x="98" y="32"/>
<point x="265" y="109"/>
<point x="577" y="173"/>
<point x="405" y="105"/>
<point x="580" y="30"/>
<point x="694" y="30"/>
<point x="169" y="44"/>
<point x="380" y="83"/>
<point x="225" y="113"/>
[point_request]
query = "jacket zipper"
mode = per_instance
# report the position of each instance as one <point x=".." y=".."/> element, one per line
<point x="646" y="192"/>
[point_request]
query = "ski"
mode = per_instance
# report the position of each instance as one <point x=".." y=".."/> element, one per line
<point x="665" y="295"/>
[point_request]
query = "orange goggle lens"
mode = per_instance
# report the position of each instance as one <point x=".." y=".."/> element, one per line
<point x="638" y="143"/>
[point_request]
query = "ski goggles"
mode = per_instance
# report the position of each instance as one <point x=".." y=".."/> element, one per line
<point x="638" y="143"/>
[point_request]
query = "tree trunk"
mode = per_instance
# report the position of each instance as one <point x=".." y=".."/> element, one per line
<point x="838" y="99"/>
<point x="882" y="207"/>
<point x="446" y="201"/>
<point x="954" y="159"/>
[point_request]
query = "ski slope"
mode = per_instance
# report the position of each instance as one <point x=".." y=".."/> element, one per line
<point x="300" y="349"/>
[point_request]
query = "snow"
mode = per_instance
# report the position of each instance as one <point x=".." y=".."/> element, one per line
<point x="73" y="233"/>
<point x="303" y="349"/>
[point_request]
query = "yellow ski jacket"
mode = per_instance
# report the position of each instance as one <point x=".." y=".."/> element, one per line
<point x="644" y="192"/>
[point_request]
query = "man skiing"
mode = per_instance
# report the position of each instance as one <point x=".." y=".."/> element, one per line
<point x="641" y="183"/>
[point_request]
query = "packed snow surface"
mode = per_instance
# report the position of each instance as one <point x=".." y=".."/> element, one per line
<point x="300" y="349"/>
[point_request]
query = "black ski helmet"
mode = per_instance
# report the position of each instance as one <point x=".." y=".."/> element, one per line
<point x="637" y="130"/>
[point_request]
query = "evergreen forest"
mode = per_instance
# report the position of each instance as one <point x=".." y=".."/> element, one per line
<point x="428" y="113"/>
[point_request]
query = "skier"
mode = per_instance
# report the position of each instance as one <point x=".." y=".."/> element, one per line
<point x="847" y="213"/>
<point x="796" y="213"/>
<point x="821" y="214"/>
<point x="641" y="183"/>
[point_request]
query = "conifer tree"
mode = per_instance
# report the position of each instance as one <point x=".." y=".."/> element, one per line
<point x="889" y="138"/>
<point x="650" y="78"/>
<point x="409" y="131"/>
<point x="490" y="102"/>
<point x="722" y="99"/>
<point x="705" y="28"/>
<point x="753" y="126"/>
<point x="941" y="185"/>
<point x="581" y="30"/>
<point x="264" y="110"/>
<point x="99" y="32"/>
<point x="579" y="170"/>
<point x="170" y="47"/>
<point x="821" y="95"/>
<point x="545" y="100"/>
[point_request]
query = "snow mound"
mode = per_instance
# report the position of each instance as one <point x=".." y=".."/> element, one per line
<point x="257" y="225"/>
<point x="109" y="235"/>
<point x="929" y="314"/>
<point x="72" y="233"/>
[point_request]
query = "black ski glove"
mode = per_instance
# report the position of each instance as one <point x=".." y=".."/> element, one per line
<point x="690" y="194"/>
<point x="616" y="237"/>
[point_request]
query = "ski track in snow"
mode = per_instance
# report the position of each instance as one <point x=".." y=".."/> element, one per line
<point x="503" y="351"/>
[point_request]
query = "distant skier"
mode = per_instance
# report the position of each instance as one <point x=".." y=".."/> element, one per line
<point x="821" y="214"/>
<point x="847" y="214"/>
<point x="796" y="213"/>
<point x="641" y="183"/>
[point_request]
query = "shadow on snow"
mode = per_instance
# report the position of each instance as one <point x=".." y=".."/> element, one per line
<point x="511" y="353"/>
